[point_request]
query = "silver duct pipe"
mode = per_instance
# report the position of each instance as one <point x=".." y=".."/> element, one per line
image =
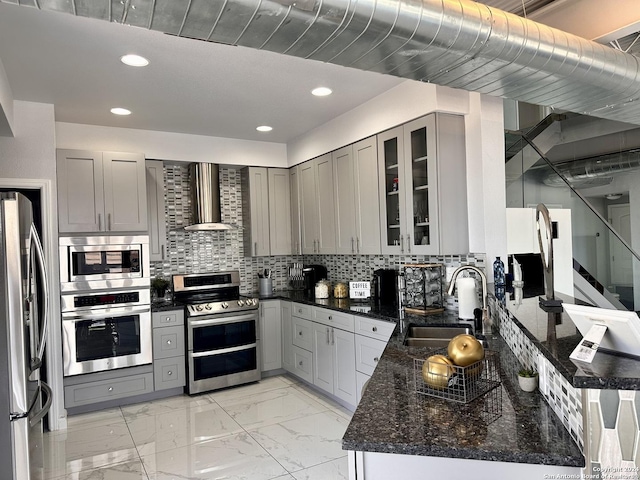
<point x="457" y="43"/>
<point x="595" y="171"/>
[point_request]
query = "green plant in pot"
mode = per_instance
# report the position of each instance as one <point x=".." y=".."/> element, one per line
<point x="160" y="286"/>
<point x="528" y="379"/>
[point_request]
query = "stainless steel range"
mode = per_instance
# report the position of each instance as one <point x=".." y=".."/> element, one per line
<point x="223" y="347"/>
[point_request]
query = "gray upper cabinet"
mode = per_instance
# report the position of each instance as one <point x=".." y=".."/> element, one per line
<point x="294" y="185"/>
<point x="422" y="176"/>
<point x="357" y="199"/>
<point x="155" y="210"/>
<point x="255" y="211"/>
<point x="101" y="192"/>
<point x="317" y="205"/>
<point x="266" y="211"/>
<point x="279" y="211"/>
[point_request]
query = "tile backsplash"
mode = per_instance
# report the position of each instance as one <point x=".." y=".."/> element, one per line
<point x="197" y="252"/>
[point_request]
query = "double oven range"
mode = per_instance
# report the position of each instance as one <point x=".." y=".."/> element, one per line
<point x="105" y="303"/>
<point x="223" y="345"/>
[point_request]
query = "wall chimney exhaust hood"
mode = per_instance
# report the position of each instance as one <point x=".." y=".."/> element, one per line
<point x="205" y="198"/>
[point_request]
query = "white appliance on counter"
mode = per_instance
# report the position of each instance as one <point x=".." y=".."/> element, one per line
<point x="23" y="330"/>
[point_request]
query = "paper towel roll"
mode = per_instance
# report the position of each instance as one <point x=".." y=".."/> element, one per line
<point x="467" y="297"/>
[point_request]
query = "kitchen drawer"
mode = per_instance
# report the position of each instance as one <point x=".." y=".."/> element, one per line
<point x="302" y="333"/>
<point x="168" y="318"/>
<point x="303" y="364"/>
<point x="169" y="373"/>
<point x="93" y="392"/>
<point x="332" y="318"/>
<point x="168" y="342"/>
<point x="368" y="352"/>
<point x="302" y="311"/>
<point x="373" y="328"/>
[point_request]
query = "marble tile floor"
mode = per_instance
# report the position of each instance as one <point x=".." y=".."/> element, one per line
<point x="275" y="429"/>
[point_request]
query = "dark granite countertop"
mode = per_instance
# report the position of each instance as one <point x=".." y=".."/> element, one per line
<point x="607" y="371"/>
<point x="506" y="425"/>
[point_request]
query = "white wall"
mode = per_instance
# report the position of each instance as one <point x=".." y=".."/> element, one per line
<point x="171" y="146"/>
<point x="6" y="105"/>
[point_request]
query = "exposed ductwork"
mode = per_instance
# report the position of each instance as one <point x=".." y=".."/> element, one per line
<point x="595" y="171"/>
<point x="205" y="198"/>
<point x="458" y="43"/>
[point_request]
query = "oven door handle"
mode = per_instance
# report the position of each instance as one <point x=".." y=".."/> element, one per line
<point x="102" y="313"/>
<point x="223" y="350"/>
<point x="222" y="320"/>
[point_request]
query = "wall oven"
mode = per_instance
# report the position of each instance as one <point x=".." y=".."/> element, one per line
<point x="103" y="262"/>
<point x="223" y="344"/>
<point x="104" y="330"/>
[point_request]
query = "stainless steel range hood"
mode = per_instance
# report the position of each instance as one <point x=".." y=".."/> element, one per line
<point x="205" y="198"/>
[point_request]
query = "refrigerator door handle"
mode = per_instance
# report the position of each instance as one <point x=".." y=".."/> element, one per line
<point x="35" y="241"/>
<point x="46" y="389"/>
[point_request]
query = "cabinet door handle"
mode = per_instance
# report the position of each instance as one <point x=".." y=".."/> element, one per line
<point x="409" y="243"/>
<point x="162" y="252"/>
<point x="109" y="221"/>
<point x="299" y="310"/>
<point x="169" y="373"/>
<point x="375" y="359"/>
<point x="401" y="243"/>
<point x="330" y="317"/>
<point x="110" y="389"/>
<point x="168" y="342"/>
<point x="333" y="336"/>
<point x="357" y="244"/>
<point x="300" y="363"/>
<point x="99" y="221"/>
<point x="255" y="248"/>
<point x="352" y="249"/>
<point x="328" y="336"/>
<point x="375" y="329"/>
<point x="300" y="333"/>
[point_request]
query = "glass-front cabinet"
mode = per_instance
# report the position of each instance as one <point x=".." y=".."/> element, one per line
<point x="423" y="187"/>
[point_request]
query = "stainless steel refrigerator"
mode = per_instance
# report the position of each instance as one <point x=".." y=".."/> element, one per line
<point x="24" y="398"/>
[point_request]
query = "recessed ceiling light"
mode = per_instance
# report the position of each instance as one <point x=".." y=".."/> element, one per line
<point x="264" y="128"/>
<point x="120" y="111"/>
<point x="134" y="60"/>
<point x="321" y="91"/>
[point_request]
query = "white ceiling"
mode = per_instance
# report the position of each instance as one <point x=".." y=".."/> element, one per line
<point x="190" y="86"/>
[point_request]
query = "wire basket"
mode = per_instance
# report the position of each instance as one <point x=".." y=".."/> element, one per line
<point x="459" y="384"/>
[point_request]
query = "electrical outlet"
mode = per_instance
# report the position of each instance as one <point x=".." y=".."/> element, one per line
<point x="543" y="384"/>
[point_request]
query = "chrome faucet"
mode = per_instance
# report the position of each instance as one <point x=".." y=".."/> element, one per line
<point x="486" y="323"/>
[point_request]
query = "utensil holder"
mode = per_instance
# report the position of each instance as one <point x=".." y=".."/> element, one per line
<point x="265" y="286"/>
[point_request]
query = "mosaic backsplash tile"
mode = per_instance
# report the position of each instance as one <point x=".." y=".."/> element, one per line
<point x="196" y="252"/>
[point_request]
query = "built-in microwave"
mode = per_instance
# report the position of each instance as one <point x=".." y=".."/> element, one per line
<point x="102" y="262"/>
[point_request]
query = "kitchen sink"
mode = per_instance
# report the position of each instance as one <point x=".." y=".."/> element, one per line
<point x="434" y="336"/>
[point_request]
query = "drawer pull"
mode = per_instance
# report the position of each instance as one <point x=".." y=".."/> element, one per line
<point x="375" y="329"/>
<point x="300" y="333"/>
<point x="110" y="389"/>
<point x="167" y="319"/>
<point x="330" y="317"/>
<point x="376" y="359"/>
<point x="169" y="373"/>
<point x="168" y="342"/>
<point x="299" y="310"/>
<point x="300" y="363"/>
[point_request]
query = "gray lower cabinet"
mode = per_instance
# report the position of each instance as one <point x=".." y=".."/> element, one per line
<point x="80" y="394"/>
<point x="168" y="349"/>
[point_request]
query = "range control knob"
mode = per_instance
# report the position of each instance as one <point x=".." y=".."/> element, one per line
<point x="224" y="305"/>
<point x="241" y="303"/>
<point x="208" y="306"/>
<point x="199" y="308"/>
<point x="254" y="301"/>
